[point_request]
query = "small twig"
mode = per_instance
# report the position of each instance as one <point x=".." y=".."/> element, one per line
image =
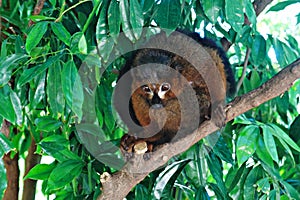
<point x="240" y="82"/>
<point x="70" y="8"/>
<point x="37" y="10"/>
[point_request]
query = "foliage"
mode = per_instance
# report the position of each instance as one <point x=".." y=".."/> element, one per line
<point x="43" y="94"/>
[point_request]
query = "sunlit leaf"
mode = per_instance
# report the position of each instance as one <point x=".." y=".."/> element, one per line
<point x="234" y="13"/>
<point x="246" y="143"/>
<point x="270" y="143"/>
<point x="282" y="5"/>
<point x="40" y="172"/>
<point x="6" y="109"/>
<point x="16" y="103"/>
<point x="47" y="124"/>
<point x="5" y="144"/>
<point x="212" y="9"/>
<point x="125" y="19"/>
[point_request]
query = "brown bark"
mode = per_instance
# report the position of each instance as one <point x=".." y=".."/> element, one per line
<point x="37" y="10"/>
<point x="32" y="159"/>
<point x="12" y="176"/>
<point x="120" y="183"/>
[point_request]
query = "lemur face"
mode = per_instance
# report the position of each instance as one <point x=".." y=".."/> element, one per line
<point x="155" y="94"/>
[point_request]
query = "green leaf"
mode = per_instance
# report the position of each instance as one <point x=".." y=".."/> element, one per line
<point x="284" y="54"/>
<point x="216" y="169"/>
<point x="6" y="66"/>
<point x="255" y="79"/>
<point x="126" y="27"/>
<point x="246" y="143"/>
<point x="234" y="13"/>
<point x="16" y="103"/>
<point x="6" y="109"/>
<point x="54" y="90"/>
<point x="64" y="173"/>
<point x="201" y="194"/>
<point x="165" y="181"/>
<point x="39" y="90"/>
<point x="269" y="142"/>
<point x="249" y="185"/>
<point x="82" y="45"/>
<point x="40" y="172"/>
<point x="250" y="12"/>
<point x="35" y="35"/>
<point x="61" y="32"/>
<point x="37" y="18"/>
<point x="290" y="190"/>
<point x="261" y="152"/>
<point x="233" y="176"/>
<point x="47" y="124"/>
<point x="263" y="185"/>
<point x="113" y="18"/>
<point x="258" y="50"/>
<point x="168" y="14"/>
<point x="212" y="9"/>
<point x="5" y="145"/>
<point x="282" y="5"/>
<point x="136" y="18"/>
<point x="31" y="73"/>
<point x="280" y="134"/>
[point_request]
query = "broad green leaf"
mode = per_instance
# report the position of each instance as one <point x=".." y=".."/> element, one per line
<point x="40" y="172"/>
<point x="16" y="103"/>
<point x="263" y="185"/>
<point x="258" y="50"/>
<point x="282" y="105"/>
<point x="54" y="89"/>
<point x="284" y="54"/>
<point x="39" y="92"/>
<point x="35" y="35"/>
<point x="269" y="142"/>
<point x="136" y="18"/>
<point x="113" y="18"/>
<point x="280" y="134"/>
<point x="165" y="181"/>
<point x="6" y="109"/>
<point x="82" y="45"/>
<point x="234" y="13"/>
<point x="249" y="185"/>
<point x="6" y="66"/>
<point x="141" y="192"/>
<point x="64" y="173"/>
<point x="255" y="79"/>
<point x="250" y="12"/>
<point x="246" y="143"/>
<point x="78" y="97"/>
<point x="212" y="9"/>
<point x="168" y="14"/>
<point x="5" y="145"/>
<point x="3" y="49"/>
<point x="261" y="152"/>
<point x="31" y="73"/>
<point x="126" y="26"/>
<point x="282" y="5"/>
<point x="61" y="32"/>
<point x="68" y="77"/>
<point x="47" y="124"/>
<point x="104" y="43"/>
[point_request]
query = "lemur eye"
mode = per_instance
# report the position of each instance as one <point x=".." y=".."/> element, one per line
<point x="165" y="87"/>
<point x="146" y="89"/>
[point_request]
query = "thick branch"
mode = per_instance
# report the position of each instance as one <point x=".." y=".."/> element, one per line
<point x="120" y="183"/>
<point x="12" y="176"/>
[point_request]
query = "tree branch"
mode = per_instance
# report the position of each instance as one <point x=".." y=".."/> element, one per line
<point x="119" y="184"/>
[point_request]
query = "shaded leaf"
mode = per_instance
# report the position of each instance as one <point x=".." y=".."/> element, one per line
<point x="47" y="124"/>
<point x="113" y="18"/>
<point x="125" y="19"/>
<point x="282" y="5"/>
<point x="61" y="32"/>
<point x="6" y="109"/>
<point x="258" y="50"/>
<point x="136" y="18"/>
<point x="35" y="35"/>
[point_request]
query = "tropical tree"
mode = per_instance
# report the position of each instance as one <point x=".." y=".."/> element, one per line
<point x="59" y="62"/>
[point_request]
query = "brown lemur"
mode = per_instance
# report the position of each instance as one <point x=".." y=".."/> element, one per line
<point x="156" y="83"/>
